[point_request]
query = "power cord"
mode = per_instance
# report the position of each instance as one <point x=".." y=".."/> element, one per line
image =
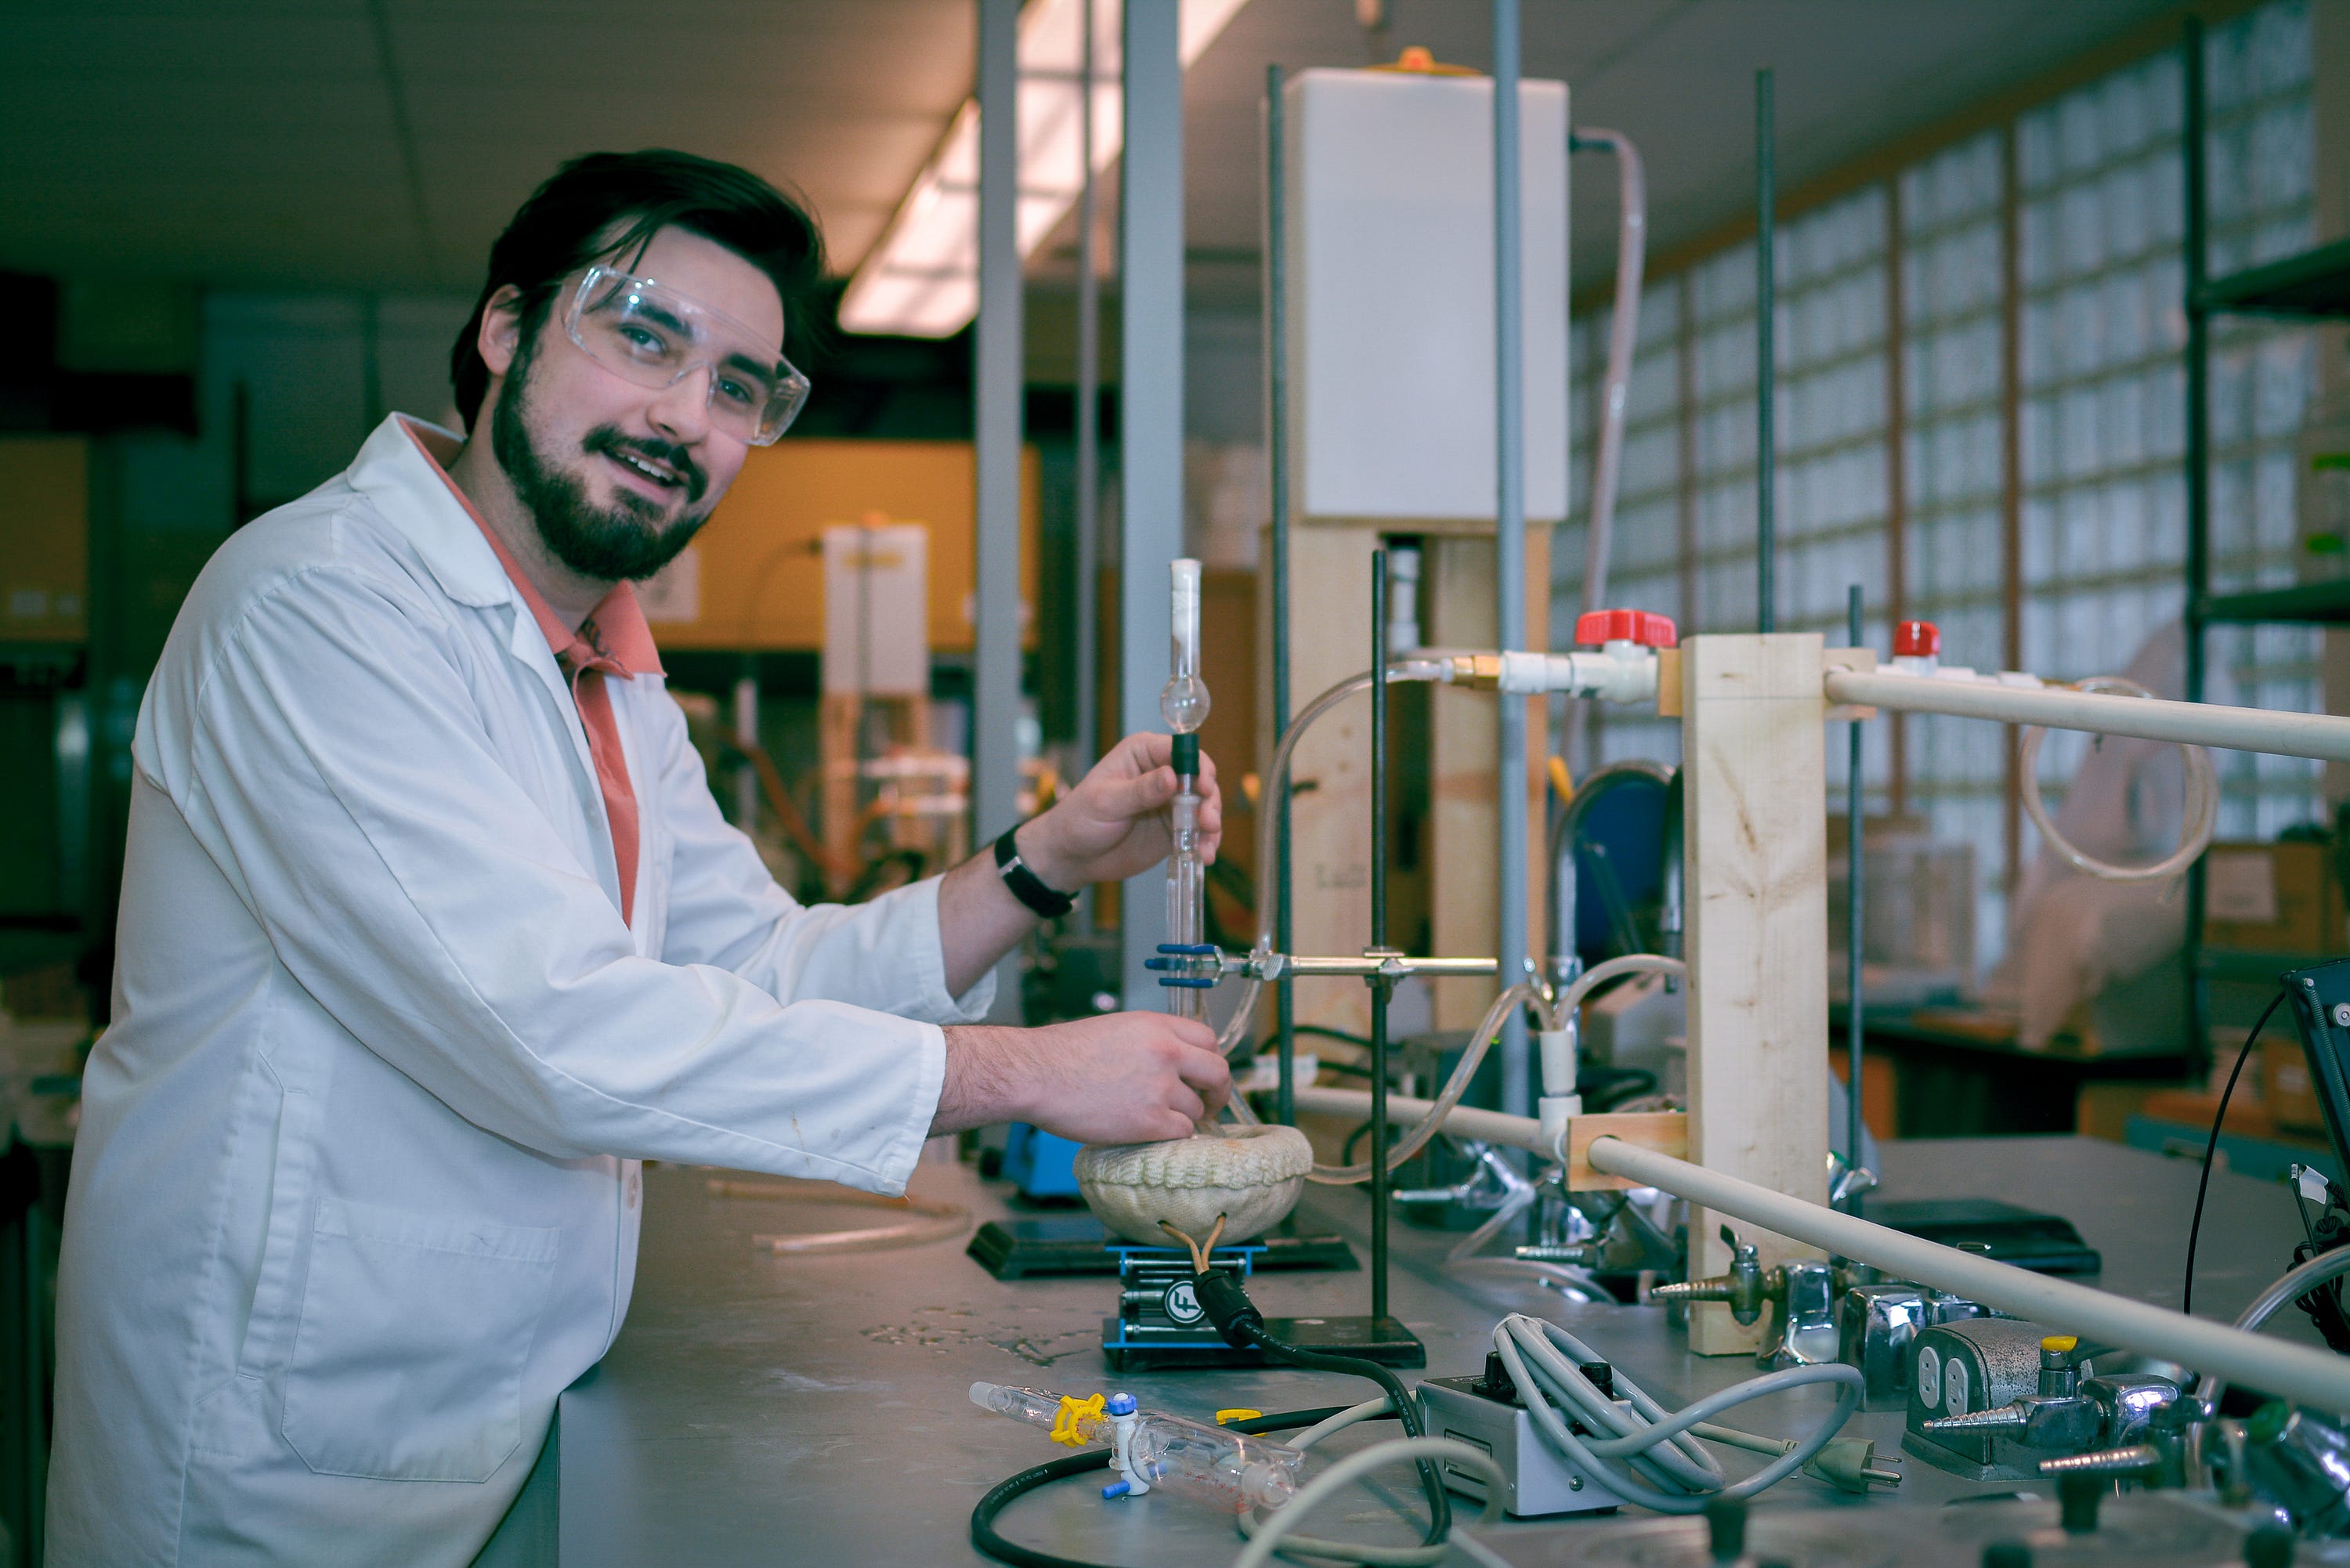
<point x="1635" y="1448"/>
<point x="1224" y="1300"/>
<point x="2219" y="1117"/>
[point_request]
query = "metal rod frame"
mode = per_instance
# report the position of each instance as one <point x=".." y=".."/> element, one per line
<point x="998" y="373"/>
<point x="1766" y="366"/>
<point x="1088" y="454"/>
<point x="1381" y="983"/>
<point x="1276" y="442"/>
<point x="1509" y="541"/>
<point x="1150" y="418"/>
<point x="2195" y="247"/>
<point x="1854" y="907"/>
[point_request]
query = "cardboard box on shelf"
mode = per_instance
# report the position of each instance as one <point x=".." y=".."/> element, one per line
<point x="2286" y="1087"/>
<point x="2274" y="898"/>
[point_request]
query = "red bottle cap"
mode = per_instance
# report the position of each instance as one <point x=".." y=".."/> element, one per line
<point x="1625" y="626"/>
<point x="1916" y="640"/>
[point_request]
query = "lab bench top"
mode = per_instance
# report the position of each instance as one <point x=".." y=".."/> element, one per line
<point x="771" y="1410"/>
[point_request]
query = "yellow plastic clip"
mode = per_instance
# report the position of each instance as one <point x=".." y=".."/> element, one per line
<point x="1223" y="1416"/>
<point x="1073" y="1410"/>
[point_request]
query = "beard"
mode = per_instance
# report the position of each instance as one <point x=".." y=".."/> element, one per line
<point x="624" y="541"/>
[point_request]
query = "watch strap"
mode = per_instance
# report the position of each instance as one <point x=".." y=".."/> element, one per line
<point x="1025" y="884"/>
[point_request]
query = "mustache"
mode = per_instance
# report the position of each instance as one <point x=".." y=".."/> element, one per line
<point x="606" y="439"/>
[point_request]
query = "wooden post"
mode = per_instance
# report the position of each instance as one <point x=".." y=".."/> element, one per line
<point x="1330" y="842"/>
<point x="1754" y="821"/>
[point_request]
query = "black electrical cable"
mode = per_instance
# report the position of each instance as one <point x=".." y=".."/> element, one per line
<point x="2203" y="1185"/>
<point x="1000" y="1495"/>
<point x="1440" y="1506"/>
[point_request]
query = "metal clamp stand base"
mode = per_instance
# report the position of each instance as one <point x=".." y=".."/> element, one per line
<point x="1160" y="1323"/>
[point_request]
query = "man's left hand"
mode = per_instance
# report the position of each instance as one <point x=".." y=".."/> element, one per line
<point x="1114" y="824"/>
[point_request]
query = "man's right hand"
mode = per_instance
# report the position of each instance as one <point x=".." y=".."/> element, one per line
<point x="1124" y="1078"/>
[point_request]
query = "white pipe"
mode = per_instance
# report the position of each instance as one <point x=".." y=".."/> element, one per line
<point x="2317" y="735"/>
<point x="1466" y="1121"/>
<point x="1631" y="256"/>
<point x="2300" y="1372"/>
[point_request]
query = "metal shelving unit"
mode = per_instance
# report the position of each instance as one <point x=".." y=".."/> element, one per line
<point x="2313" y="285"/>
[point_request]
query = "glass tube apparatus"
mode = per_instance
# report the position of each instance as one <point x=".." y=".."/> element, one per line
<point x="1183" y="703"/>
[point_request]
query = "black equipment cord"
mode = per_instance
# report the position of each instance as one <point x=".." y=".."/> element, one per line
<point x="1000" y="1495"/>
<point x="2203" y="1185"/>
<point x="1440" y="1505"/>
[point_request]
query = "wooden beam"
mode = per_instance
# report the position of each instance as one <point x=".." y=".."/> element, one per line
<point x="1754" y="825"/>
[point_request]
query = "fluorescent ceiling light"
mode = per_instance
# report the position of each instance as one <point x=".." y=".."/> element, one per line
<point x="922" y="279"/>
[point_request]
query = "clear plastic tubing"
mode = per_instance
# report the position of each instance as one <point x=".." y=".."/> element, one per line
<point x="1226" y="1470"/>
<point x="1183" y="703"/>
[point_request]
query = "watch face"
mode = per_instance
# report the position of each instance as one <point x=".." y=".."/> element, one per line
<point x="1182" y="1303"/>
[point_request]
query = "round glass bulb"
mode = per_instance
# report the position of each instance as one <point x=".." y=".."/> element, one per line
<point x="1183" y="703"/>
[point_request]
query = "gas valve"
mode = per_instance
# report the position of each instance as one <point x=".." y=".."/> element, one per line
<point x="1623" y="670"/>
<point x="1802" y="1297"/>
<point x="1744" y="1288"/>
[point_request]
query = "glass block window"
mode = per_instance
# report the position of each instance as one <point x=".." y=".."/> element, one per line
<point x="2101" y="225"/>
<point x="1952" y="292"/>
<point x="2090" y="185"/>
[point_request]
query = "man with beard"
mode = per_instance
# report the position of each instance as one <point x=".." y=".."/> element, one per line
<point x="431" y="931"/>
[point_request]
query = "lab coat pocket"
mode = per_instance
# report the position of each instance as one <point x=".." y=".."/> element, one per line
<point x="408" y="1360"/>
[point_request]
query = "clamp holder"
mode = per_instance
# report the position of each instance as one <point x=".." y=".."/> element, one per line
<point x="1187" y="966"/>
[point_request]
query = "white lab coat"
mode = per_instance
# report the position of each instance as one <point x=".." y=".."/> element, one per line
<point x="356" y="1194"/>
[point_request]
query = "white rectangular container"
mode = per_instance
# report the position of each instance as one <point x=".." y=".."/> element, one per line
<point x="1392" y="335"/>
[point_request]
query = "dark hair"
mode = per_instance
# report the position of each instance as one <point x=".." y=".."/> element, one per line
<point x="607" y="204"/>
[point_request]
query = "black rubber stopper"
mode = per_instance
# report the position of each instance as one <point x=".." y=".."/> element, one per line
<point x="1601" y="1375"/>
<point x="1187" y="755"/>
<point x="2269" y="1546"/>
<point x="2079" y="1496"/>
<point x="1725" y="1525"/>
<point x="2007" y="1554"/>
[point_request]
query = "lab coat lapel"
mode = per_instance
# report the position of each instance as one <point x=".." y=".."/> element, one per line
<point x="417" y="500"/>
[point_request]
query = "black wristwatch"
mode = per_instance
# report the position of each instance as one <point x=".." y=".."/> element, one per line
<point x="1024" y="884"/>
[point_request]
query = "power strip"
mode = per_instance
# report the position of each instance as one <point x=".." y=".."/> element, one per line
<point x="1486" y="1413"/>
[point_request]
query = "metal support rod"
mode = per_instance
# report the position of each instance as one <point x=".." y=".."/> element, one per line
<point x="1276" y="443"/>
<point x="1088" y="551"/>
<point x="1509" y="541"/>
<point x="1766" y="376"/>
<point x="2194" y="244"/>
<point x="1854" y="907"/>
<point x="997" y="374"/>
<point x="1150" y="417"/>
<point x="2320" y="735"/>
<point x="1394" y="966"/>
<point x="1379" y="983"/>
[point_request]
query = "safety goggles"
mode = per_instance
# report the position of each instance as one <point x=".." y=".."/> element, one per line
<point x="650" y="334"/>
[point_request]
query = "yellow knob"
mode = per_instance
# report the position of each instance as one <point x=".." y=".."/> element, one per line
<point x="2062" y="1343"/>
<point x="1224" y="1415"/>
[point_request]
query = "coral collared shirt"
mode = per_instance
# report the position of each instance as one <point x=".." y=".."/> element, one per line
<point x="613" y="641"/>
